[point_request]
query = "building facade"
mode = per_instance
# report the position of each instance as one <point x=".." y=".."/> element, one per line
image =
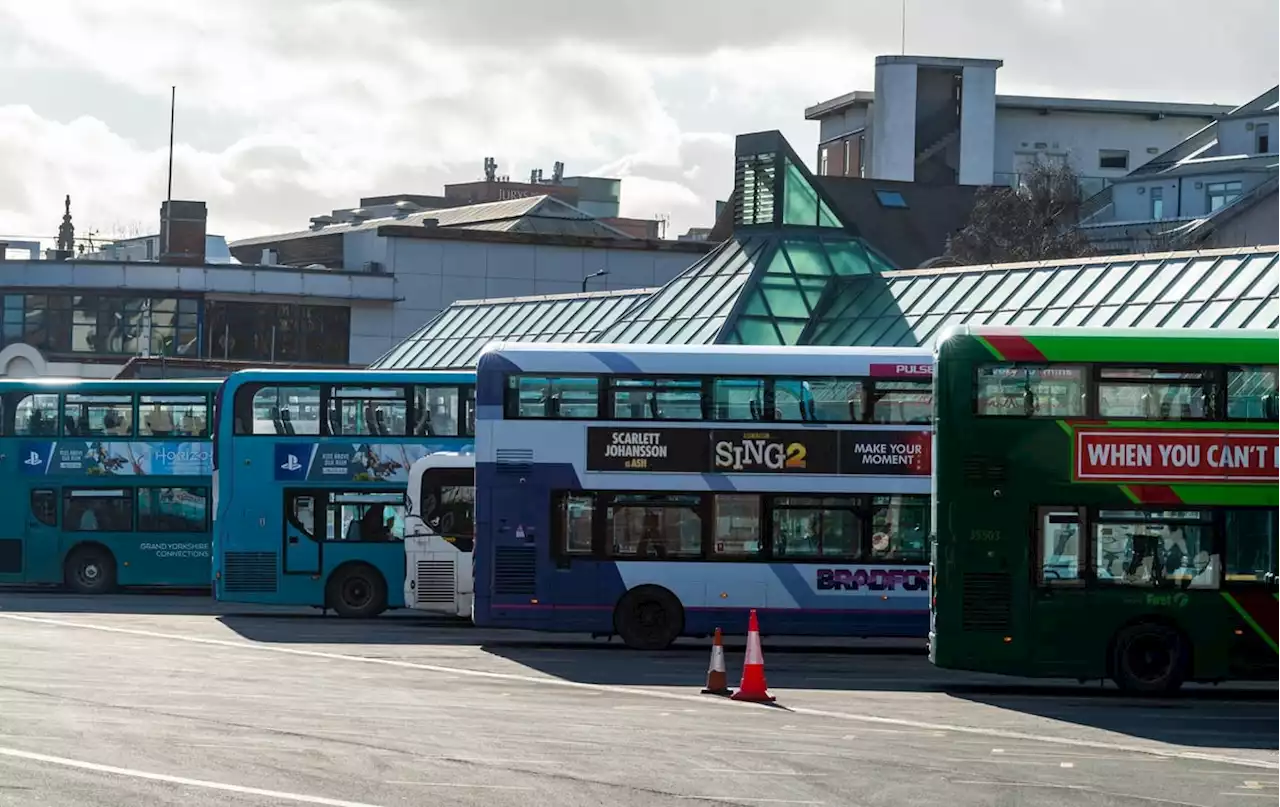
<point x="939" y="120"/>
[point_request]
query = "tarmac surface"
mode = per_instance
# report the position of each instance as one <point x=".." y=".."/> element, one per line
<point x="142" y="700"/>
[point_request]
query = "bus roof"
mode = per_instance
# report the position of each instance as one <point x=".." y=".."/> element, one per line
<point x="1151" y="345"/>
<point x="697" y="359"/>
<point x="1113" y="333"/>
<point x="346" y="376"/>
<point x="160" y="385"/>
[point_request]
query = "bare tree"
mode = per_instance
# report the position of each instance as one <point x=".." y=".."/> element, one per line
<point x="1033" y="222"/>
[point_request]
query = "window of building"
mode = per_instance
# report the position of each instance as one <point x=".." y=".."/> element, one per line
<point x="367" y="411"/>
<point x="365" y="517"/>
<point x="1154" y="394"/>
<point x="822" y="400"/>
<point x="900" y="528"/>
<point x="655" y="526"/>
<point x="1220" y="194"/>
<point x="284" y="410"/>
<point x="173" y="416"/>
<point x="901" y="401"/>
<point x="1010" y="390"/>
<point x="93" y="510"/>
<point x="738" y="525"/>
<point x="44" y="506"/>
<point x="823" y="164"/>
<point x="36" y="415"/>
<point x="1155" y="548"/>
<point x="738" y="399"/>
<point x="277" y="332"/>
<point x="1262" y="138"/>
<point x="656" y="398"/>
<point x="816" y="527"/>
<point x="1157" y="203"/>
<point x="173" y="509"/>
<point x="1251" y="393"/>
<point x="98" y="415"/>
<point x="1251" y="544"/>
<point x="1117" y="159"/>
<point x="890" y="199"/>
<point x="542" y="397"/>
<point x="1062" y="546"/>
<point x="575" y="523"/>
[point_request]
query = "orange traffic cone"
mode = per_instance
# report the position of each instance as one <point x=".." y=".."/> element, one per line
<point x="717" y="679"/>
<point x="753" y="687"/>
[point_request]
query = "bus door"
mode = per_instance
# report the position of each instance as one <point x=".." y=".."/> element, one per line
<point x="38" y="559"/>
<point x="303" y="528"/>
<point x="1059" y="584"/>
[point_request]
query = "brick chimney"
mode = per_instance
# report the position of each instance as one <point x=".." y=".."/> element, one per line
<point x="182" y="231"/>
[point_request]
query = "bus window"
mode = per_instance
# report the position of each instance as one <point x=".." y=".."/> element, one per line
<point x="36" y="415"/>
<point x="1058" y="391"/>
<point x="173" y="416"/>
<point x="823" y="400"/>
<point x="532" y="397"/>
<point x="1251" y="544"/>
<point x="282" y="410"/>
<point x="901" y="401"/>
<point x="1153" y="394"/>
<point x="656" y="398"/>
<point x="98" y="415"/>
<point x="738" y="525"/>
<point x="435" y="411"/>
<point x="899" y="526"/>
<point x="1155" y="548"/>
<point x="366" y="412"/>
<point x="93" y="510"/>
<point x="1251" y="393"/>
<point x="366" y="517"/>
<point x="738" y="399"/>
<point x="448" y="497"/>
<point x="654" y="526"/>
<point x="1061" y="550"/>
<point x="809" y="527"/>
<point x="44" y="506"/>
<point x="173" y="509"/>
<point x="576" y="511"/>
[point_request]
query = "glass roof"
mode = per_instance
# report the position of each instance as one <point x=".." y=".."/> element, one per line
<point x="454" y="339"/>
<point x="1226" y="289"/>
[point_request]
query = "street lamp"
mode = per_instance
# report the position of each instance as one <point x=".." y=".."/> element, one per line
<point x="600" y="273"/>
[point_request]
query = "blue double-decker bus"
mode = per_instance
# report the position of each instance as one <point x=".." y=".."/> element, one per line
<point x="657" y="491"/>
<point x="106" y="483"/>
<point x="311" y="469"/>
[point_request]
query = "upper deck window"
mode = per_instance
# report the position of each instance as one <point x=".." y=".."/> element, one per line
<point x="557" y="397"/>
<point x="738" y="399"/>
<point x="656" y="398"/>
<point x="173" y="416"/>
<point x="98" y="415"/>
<point x="901" y="402"/>
<point x="821" y="400"/>
<point x="1151" y="393"/>
<point x="1011" y="390"/>
<point x="1251" y="393"/>
<point x="35" y="414"/>
<point x="444" y="411"/>
<point x="283" y="410"/>
<point x="367" y="411"/>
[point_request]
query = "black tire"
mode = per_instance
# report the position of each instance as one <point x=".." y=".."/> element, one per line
<point x="648" y="618"/>
<point x="1150" y="658"/>
<point x="90" y="570"/>
<point x="357" y="592"/>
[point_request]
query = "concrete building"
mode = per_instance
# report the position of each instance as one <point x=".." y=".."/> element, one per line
<point x="526" y="245"/>
<point x="1216" y="188"/>
<point x="938" y="120"/>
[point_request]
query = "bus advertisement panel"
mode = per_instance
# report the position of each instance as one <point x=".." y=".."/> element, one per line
<point x="311" y="469"/>
<point x="1111" y="505"/>
<point x="655" y="491"/>
<point x="109" y="481"/>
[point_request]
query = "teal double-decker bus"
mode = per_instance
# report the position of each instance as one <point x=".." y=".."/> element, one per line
<point x="106" y="483"/>
<point x="310" y="476"/>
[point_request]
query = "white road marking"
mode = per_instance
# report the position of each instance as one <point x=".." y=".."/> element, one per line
<point x="298" y="798"/>
<point x="1238" y="794"/>
<point x="741" y="772"/>
<point x="652" y="693"/>
<point x="454" y="784"/>
<point x="737" y="799"/>
<point x="988" y="782"/>
<point x="1066" y="764"/>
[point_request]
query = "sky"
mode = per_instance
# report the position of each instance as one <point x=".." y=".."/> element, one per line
<point x="287" y="109"/>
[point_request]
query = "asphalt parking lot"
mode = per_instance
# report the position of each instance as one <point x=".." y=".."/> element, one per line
<point x="140" y="700"/>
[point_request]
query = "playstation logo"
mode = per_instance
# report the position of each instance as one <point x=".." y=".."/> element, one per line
<point x="290" y="464"/>
<point x="33" y="459"/>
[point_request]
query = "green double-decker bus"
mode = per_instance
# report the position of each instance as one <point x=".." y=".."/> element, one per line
<point x="1105" y="505"/>
<point x="105" y="483"/>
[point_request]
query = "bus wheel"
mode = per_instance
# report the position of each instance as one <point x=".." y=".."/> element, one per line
<point x="357" y="592"/>
<point x="90" y="570"/>
<point x="648" y="618"/>
<point x="1149" y="658"/>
